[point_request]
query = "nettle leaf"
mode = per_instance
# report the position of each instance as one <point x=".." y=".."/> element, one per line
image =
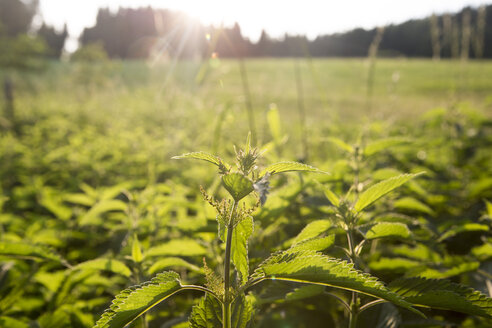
<point x="93" y="216"/>
<point x="388" y="230"/>
<point x="304" y="292"/>
<point x="111" y="265"/>
<point x="137" y="255"/>
<point x="239" y="253"/>
<point x="208" y="313"/>
<point x="482" y="252"/>
<point x="201" y="156"/>
<point x="443" y="294"/>
<point x="281" y="167"/>
<point x="446" y="271"/>
<point x="330" y="195"/>
<point x="412" y="204"/>
<point x="12" y="323"/>
<point x="340" y="144"/>
<point x="237" y="185"/>
<point x="380" y="189"/>
<point x="383" y="144"/>
<point x="466" y="227"/>
<point x="394" y="264"/>
<point x="313" y="229"/>
<point x="135" y="301"/>
<point x="174" y="262"/>
<point x="318" y="269"/>
<point x="29" y="251"/>
<point x="177" y="247"/>
<point x="313" y="244"/>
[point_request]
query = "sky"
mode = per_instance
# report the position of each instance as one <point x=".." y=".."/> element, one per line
<point x="277" y="17"/>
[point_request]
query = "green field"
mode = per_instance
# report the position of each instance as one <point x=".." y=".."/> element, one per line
<point x="91" y="201"/>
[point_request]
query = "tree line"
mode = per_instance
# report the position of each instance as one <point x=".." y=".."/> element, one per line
<point x="144" y="32"/>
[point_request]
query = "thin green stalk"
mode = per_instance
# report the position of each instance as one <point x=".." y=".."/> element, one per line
<point x="226" y="305"/>
<point x="354" y="303"/>
<point x="302" y="111"/>
<point x="249" y="105"/>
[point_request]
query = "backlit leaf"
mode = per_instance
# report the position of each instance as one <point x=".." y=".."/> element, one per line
<point x="443" y="294"/>
<point x="388" y="230"/>
<point x="281" y="167"/>
<point x="237" y="185"/>
<point x="380" y="189"/>
<point x="315" y="268"/>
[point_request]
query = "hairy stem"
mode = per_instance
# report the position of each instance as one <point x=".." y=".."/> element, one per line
<point x="226" y="307"/>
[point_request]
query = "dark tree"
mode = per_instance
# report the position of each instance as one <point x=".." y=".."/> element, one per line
<point x="55" y="41"/>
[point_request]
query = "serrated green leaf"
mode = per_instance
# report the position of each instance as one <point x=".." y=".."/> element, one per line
<point x="282" y="167"/>
<point x="172" y="262"/>
<point x="111" y="265"/>
<point x="412" y="204"/>
<point x="466" y="227"/>
<point x="443" y="294"/>
<point x="442" y="272"/>
<point x="315" y="268"/>
<point x="313" y="229"/>
<point x="29" y="251"/>
<point x="201" y="156"/>
<point x="313" y="244"/>
<point x="134" y="301"/>
<point x="239" y="253"/>
<point x="340" y="144"/>
<point x="383" y="144"/>
<point x="208" y="313"/>
<point x="380" y="189"/>
<point x="177" y="247"/>
<point x="237" y="185"/>
<point x="388" y="230"/>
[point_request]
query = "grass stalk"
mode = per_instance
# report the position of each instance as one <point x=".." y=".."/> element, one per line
<point x="302" y="110"/>
<point x="249" y="105"/>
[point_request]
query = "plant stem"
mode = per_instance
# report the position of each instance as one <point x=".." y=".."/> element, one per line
<point x="353" y="317"/>
<point x="226" y="305"/>
<point x="354" y="303"/>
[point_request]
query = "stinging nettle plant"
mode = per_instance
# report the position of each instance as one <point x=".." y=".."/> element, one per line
<point x="227" y="302"/>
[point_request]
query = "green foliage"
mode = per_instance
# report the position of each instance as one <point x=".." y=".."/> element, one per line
<point x="443" y="294"/>
<point x="115" y="266"/>
<point x="240" y="235"/>
<point x="237" y="185"/>
<point x="134" y="301"/>
<point x="380" y="189"/>
<point x="90" y="53"/>
<point x="88" y="209"/>
<point x="288" y="167"/>
<point x="388" y="229"/>
<point x="314" y="268"/>
<point x="29" y="251"/>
